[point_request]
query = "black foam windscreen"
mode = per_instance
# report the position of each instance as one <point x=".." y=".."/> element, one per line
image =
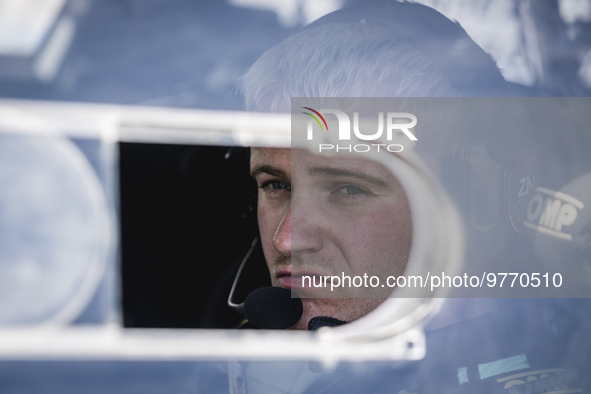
<point x="272" y="308"/>
<point x="324" y="321"/>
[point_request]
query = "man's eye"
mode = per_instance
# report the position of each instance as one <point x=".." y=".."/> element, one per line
<point x="273" y="186"/>
<point x="352" y="192"/>
<point x="276" y="185"/>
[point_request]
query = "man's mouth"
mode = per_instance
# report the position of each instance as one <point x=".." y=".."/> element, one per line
<point x="300" y="280"/>
<point x="284" y="278"/>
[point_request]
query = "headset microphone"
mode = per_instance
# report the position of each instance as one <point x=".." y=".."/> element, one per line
<point x="271" y="308"/>
<point x="266" y="307"/>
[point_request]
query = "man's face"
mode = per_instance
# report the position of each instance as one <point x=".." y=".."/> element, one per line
<point x="321" y="216"/>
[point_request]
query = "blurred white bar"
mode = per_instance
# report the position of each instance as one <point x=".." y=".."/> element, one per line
<point x="167" y="344"/>
<point x="146" y="124"/>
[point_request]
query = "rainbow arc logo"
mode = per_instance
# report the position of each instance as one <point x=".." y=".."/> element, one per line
<point x="315" y="118"/>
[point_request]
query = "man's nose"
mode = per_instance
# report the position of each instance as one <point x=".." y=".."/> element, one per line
<point x="300" y="230"/>
<point x="282" y="237"/>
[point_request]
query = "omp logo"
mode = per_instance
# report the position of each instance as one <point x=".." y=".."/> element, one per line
<point x="395" y="122"/>
<point x="549" y="211"/>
